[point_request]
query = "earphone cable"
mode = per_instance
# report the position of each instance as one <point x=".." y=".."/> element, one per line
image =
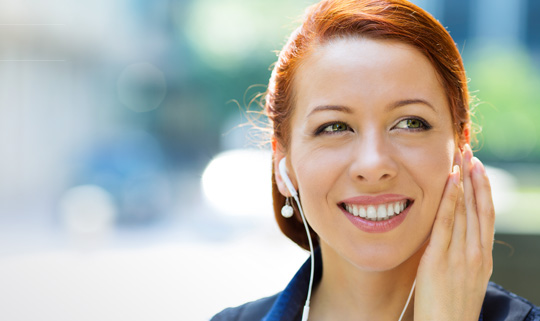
<point x="305" y="313"/>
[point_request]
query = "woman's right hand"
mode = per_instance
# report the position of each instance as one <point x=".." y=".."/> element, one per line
<point x="456" y="266"/>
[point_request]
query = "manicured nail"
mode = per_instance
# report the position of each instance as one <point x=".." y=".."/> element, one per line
<point x="456" y="174"/>
<point x="467" y="151"/>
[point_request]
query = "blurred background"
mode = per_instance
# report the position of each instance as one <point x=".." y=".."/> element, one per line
<point x="131" y="186"/>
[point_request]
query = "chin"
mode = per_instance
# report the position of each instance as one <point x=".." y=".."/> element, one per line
<point x="385" y="258"/>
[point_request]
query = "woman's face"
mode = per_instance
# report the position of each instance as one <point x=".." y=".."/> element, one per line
<point x="371" y="129"/>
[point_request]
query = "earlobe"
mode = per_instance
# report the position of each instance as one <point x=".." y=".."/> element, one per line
<point x="281" y="181"/>
<point x="464" y="138"/>
<point x="466" y="135"/>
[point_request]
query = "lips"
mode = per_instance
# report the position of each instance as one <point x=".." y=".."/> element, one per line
<point x="376" y="214"/>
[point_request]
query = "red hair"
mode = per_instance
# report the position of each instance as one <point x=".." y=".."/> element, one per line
<point x="374" y="19"/>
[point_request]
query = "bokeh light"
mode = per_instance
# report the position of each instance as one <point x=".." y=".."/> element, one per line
<point x="237" y="182"/>
<point x="141" y="87"/>
<point x="88" y="213"/>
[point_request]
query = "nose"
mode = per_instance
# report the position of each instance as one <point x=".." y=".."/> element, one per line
<point x="373" y="160"/>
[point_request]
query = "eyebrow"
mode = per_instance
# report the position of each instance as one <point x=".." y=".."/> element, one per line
<point x="406" y="102"/>
<point x="349" y="110"/>
<point x="340" y="108"/>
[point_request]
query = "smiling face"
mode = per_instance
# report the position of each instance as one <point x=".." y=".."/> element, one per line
<point x="371" y="147"/>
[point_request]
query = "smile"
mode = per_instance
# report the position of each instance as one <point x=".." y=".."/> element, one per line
<point x="379" y="212"/>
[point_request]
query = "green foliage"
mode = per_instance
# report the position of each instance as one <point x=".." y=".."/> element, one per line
<point x="507" y="86"/>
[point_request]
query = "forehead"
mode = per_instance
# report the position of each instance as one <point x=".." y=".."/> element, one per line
<point x="360" y="71"/>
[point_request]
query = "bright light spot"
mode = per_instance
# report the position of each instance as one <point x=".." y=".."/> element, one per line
<point x="238" y="182"/>
<point x="88" y="210"/>
<point x="226" y="33"/>
<point x="141" y="87"/>
<point x="225" y="28"/>
<point x="503" y="189"/>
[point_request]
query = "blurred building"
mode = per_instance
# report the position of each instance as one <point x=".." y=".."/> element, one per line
<point x="516" y="22"/>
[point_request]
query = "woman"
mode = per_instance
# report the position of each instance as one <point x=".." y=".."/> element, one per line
<point x="368" y="104"/>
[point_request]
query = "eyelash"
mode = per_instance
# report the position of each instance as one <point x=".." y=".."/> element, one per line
<point x="423" y="123"/>
<point x="321" y="129"/>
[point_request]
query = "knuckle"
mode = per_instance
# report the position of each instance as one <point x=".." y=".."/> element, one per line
<point x="475" y="257"/>
<point x="447" y="221"/>
<point x="471" y="202"/>
<point x="460" y="208"/>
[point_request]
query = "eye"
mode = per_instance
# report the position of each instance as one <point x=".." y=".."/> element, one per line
<point x="333" y="128"/>
<point x="413" y="124"/>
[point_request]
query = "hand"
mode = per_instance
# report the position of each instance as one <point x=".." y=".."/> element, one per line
<point x="456" y="266"/>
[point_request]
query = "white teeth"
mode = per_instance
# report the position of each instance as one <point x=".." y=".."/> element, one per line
<point x="377" y="212"/>
<point x="381" y="212"/>
<point x="371" y="213"/>
<point x="363" y="212"/>
<point x="390" y="209"/>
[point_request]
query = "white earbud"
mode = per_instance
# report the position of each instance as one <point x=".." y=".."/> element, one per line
<point x="285" y="177"/>
<point x="294" y="194"/>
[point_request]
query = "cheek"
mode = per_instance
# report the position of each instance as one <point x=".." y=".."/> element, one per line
<point x="317" y="171"/>
<point x="430" y="166"/>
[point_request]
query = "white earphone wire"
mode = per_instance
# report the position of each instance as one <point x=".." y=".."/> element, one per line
<point x="294" y="194"/>
<point x="305" y="313"/>
<point x="408" y="301"/>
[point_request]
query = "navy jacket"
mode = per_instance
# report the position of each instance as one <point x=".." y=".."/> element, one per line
<point x="499" y="304"/>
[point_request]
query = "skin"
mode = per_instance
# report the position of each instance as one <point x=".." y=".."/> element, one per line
<point x="388" y="130"/>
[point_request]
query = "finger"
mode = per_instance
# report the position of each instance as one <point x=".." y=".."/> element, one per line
<point x="458" y="158"/>
<point x="485" y="208"/>
<point x="473" y="228"/>
<point x="460" y="223"/>
<point x="444" y="220"/>
<point x="459" y="231"/>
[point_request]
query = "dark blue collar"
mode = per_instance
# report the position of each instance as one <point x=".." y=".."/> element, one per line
<point x="499" y="304"/>
<point x="290" y="303"/>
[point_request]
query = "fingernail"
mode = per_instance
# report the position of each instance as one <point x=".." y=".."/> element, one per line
<point x="456" y="174"/>
<point x="467" y="151"/>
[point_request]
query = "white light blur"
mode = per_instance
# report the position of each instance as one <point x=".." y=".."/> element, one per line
<point x="88" y="212"/>
<point x="238" y="182"/>
<point x="503" y="189"/>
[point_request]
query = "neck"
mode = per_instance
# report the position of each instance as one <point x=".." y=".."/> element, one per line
<point x="348" y="292"/>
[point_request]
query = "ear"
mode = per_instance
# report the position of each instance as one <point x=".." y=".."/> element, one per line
<point x="467" y="133"/>
<point x="278" y="156"/>
<point x="464" y="138"/>
<point x="461" y="140"/>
